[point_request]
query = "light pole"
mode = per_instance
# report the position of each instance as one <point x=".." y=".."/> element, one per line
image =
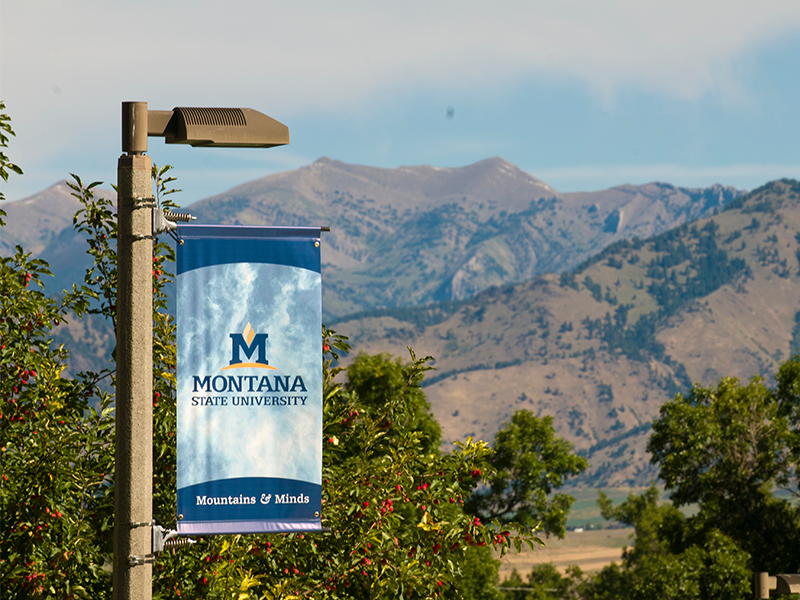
<point x="208" y="127"/>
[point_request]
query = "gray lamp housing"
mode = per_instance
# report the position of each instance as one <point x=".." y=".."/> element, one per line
<point x="217" y="127"/>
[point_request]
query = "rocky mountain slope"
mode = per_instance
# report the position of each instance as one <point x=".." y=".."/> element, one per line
<point x="414" y="235"/>
<point x="602" y="347"/>
<point x="36" y="222"/>
<point x="407" y="236"/>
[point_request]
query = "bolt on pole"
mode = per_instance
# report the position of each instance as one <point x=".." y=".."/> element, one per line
<point x="134" y="423"/>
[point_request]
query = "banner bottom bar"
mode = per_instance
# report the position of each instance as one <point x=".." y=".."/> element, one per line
<point x="235" y="527"/>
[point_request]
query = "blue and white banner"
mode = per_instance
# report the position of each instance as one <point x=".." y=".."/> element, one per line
<point x="249" y="433"/>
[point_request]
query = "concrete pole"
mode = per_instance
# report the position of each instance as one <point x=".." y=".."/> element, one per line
<point x="133" y="495"/>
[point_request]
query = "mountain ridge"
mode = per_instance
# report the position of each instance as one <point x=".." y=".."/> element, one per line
<point x="446" y="234"/>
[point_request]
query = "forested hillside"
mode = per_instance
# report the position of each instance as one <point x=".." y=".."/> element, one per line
<point x="603" y="346"/>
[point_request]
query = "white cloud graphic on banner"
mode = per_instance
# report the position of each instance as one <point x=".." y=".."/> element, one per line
<point x="218" y="441"/>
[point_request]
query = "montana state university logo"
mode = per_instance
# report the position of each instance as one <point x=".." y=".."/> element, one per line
<point x="248" y="343"/>
<point x="250" y="346"/>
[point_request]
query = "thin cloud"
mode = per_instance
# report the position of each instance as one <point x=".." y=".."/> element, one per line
<point x="307" y="56"/>
<point x="313" y="55"/>
<point x="574" y="176"/>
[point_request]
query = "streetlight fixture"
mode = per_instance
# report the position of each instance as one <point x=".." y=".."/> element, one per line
<point x="204" y="127"/>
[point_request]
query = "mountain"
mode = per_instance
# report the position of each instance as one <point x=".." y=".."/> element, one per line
<point x="406" y="236"/>
<point x="42" y="225"/>
<point x="414" y="235"/>
<point x="464" y="239"/>
<point x="37" y="221"/>
<point x="600" y="348"/>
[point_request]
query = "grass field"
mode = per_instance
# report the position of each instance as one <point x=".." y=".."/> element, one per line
<point x="590" y="550"/>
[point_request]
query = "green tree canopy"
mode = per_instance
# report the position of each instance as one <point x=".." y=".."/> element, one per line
<point x="530" y="462"/>
<point x="661" y="564"/>
<point x="724" y="448"/>
<point x="721" y="444"/>
<point x="379" y="378"/>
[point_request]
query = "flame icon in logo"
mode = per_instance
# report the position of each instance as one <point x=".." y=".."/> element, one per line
<point x="249" y="333"/>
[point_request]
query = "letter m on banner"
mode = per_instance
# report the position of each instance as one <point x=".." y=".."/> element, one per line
<point x="249" y="341"/>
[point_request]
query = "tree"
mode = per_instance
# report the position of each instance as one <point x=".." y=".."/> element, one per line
<point x="787" y="396"/>
<point x="662" y="563"/>
<point x="479" y="576"/>
<point x="548" y="584"/>
<point x="515" y="583"/>
<point x="725" y="448"/>
<point x="529" y="462"/>
<point x="6" y="166"/>
<point x="716" y="569"/>
<point x="55" y="435"/>
<point x="721" y="445"/>
<point x="54" y="502"/>
<point x="374" y="378"/>
<point x="650" y="521"/>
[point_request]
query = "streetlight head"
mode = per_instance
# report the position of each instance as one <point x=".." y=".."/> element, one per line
<point x="217" y="127"/>
<point x="788" y="584"/>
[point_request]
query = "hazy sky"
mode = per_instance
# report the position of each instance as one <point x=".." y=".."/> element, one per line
<point x="582" y="94"/>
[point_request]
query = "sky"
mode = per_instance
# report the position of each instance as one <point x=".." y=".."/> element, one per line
<point x="582" y="94"/>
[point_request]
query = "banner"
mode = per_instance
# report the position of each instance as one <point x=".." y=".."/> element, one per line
<point x="249" y="379"/>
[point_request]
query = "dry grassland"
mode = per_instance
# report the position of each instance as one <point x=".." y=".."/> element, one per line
<point x="590" y="550"/>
